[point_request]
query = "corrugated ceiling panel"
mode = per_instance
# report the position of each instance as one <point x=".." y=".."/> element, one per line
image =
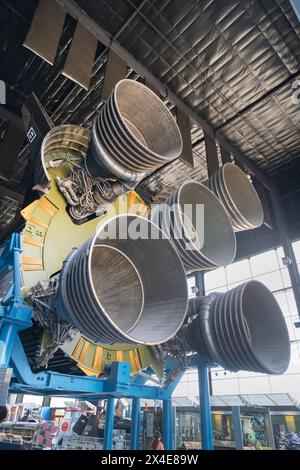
<point x="232" y="62"/>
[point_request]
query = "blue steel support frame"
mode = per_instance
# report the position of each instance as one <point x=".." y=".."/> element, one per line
<point x="135" y="424"/>
<point x="109" y="424"/>
<point x="168" y="424"/>
<point x="205" y="408"/>
<point x="14" y="312"/>
<point x="15" y="315"/>
<point x="117" y="384"/>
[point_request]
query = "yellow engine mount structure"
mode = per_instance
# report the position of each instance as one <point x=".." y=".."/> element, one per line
<point x="49" y="236"/>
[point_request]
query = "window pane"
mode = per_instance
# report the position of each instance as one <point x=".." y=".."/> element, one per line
<point x="217" y="289"/>
<point x="283" y="303"/>
<point x="288" y="384"/>
<point x="251" y="386"/>
<point x="272" y="280"/>
<point x="290" y="327"/>
<point x="215" y="278"/>
<point x="286" y="277"/>
<point x="226" y="386"/>
<point x="239" y="271"/>
<point x="235" y="284"/>
<point x="264" y="263"/>
<point x="291" y="302"/>
<point x="34" y="399"/>
<point x="294" y="365"/>
<point x="297" y="330"/>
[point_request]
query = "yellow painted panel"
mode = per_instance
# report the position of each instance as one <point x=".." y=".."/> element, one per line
<point x="88" y="370"/>
<point x="119" y="357"/>
<point x="90" y="355"/>
<point x="132" y="198"/>
<point x="97" y="360"/>
<point x="32" y="267"/>
<point x="47" y="206"/>
<point x="134" y="361"/>
<point x="34" y="232"/>
<point x="36" y="261"/>
<point x="78" y="348"/>
<point x="84" y="351"/>
<point x="138" y="359"/>
<point x="30" y="241"/>
<point x="37" y="221"/>
<point x="28" y="210"/>
<point x="32" y="250"/>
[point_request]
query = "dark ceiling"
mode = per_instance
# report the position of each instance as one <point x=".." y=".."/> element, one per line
<point x="232" y="62"/>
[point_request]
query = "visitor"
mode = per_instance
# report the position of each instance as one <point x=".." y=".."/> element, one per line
<point x="157" y="442"/>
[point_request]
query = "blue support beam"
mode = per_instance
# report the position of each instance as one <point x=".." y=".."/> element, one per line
<point x="14" y="312"/>
<point x="109" y="424"/>
<point x="205" y="408"/>
<point x="135" y="424"/>
<point x="8" y="334"/>
<point x="168" y="424"/>
<point x="118" y="383"/>
<point x="17" y="267"/>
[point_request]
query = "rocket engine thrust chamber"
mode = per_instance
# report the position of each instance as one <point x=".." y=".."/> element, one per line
<point x="242" y="329"/>
<point x="237" y="194"/>
<point x="118" y="287"/>
<point x="133" y="133"/>
<point x="198" y="226"/>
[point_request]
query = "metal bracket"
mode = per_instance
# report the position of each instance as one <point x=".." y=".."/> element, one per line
<point x="184" y="125"/>
<point x="211" y="154"/>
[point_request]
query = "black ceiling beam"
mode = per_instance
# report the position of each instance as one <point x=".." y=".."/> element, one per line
<point x="76" y="12"/>
<point x="11" y="144"/>
<point x="287" y="246"/>
<point x="9" y="193"/>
